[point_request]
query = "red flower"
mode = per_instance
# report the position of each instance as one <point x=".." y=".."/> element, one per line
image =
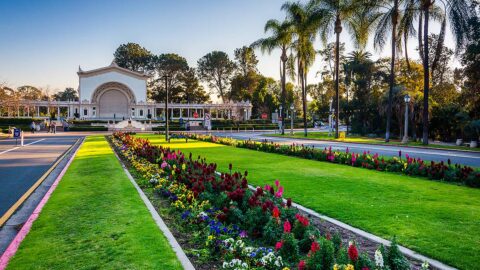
<point x="365" y="268"/>
<point x="303" y="220"/>
<point x="275" y="212"/>
<point x="278" y="245"/>
<point x="287" y="227"/>
<point x="301" y="265"/>
<point x="353" y="252"/>
<point x="315" y="247"/>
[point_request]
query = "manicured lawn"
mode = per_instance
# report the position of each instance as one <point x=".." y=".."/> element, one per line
<point x="323" y="136"/>
<point x="437" y="219"/>
<point x="95" y="219"/>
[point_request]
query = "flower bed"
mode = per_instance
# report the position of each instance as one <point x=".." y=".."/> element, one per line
<point x="246" y="229"/>
<point x="448" y="172"/>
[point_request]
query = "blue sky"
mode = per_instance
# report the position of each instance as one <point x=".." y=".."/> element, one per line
<point x="42" y="43"/>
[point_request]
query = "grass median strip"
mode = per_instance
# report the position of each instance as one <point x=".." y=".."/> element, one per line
<point x="95" y="219"/>
<point x="437" y="219"/>
<point x="323" y="136"/>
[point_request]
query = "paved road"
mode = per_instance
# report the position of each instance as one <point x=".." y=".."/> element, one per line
<point x="21" y="167"/>
<point x="461" y="157"/>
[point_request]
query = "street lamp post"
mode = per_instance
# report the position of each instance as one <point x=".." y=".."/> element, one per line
<point x="292" y="108"/>
<point x="281" y="121"/>
<point x="166" y="77"/>
<point x="405" y="135"/>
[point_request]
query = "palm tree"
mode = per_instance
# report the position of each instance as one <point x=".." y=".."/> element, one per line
<point x="458" y="13"/>
<point x="281" y="37"/>
<point x="388" y="18"/>
<point x="353" y="15"/>
<point x="305" y="22"/>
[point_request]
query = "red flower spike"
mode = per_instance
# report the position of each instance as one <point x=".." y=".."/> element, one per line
<point x="314" y="247"/>
<point x="301" y="265"/>
<point x="287" y="227"/>
<point x="353" y="252"/>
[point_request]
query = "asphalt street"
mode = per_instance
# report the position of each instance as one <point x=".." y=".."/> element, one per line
<point x="460" y="157"/>
<point x="21" y="167"/>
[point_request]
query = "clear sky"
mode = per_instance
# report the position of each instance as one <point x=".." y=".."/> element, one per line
<point x="42" y="43"/>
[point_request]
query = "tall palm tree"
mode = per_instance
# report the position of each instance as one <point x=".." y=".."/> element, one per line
<point x="281" y="37"/>
<point x="304" y="22"/>
<point x="458" y="13"/>
<point x="388" y="18"/>
<point x="335" y="13"/>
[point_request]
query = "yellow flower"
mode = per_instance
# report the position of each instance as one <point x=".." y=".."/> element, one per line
<point x="335" y="267"/>
<point x="349" y="267"/>
<point x="286" y="268"/>
<point x="184" y="167"/>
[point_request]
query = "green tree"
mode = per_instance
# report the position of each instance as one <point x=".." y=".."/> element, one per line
<point x="134" y="57"/>
<point x="305" y="20"/>
<point x="281" y="38"/>
<point x="67" y="94"/>
<point x="246" y="78"/>
<point x="192" y="91"/>
<point x="334" y="14"/>
<point x="470" y="95"/>
<point x="246" y="60"/>
<point x="216" y="69"/>
<point x="169" y="68"/>
<point x="459" y="14"/>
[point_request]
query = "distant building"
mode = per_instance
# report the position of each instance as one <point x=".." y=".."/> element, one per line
<point x="113" y="92"/>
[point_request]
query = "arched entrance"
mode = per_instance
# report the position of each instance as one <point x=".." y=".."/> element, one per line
<point x="113" y="103"/>
<point x="113" y="100"/>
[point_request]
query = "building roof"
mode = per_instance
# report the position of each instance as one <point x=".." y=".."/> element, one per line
<point x="112" y="67"/>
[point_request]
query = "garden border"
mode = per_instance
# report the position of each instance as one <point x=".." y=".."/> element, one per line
<point x="182" y="257"/>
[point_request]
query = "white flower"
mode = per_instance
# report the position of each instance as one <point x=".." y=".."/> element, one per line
<point x="425" y="265"/>
<point x="378" y="258"/>
<point x="225" y="265"/>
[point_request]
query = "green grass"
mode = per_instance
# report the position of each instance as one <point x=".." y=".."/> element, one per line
<point x="437" y="219"/>
<point x="95" y="219"/>
<point x="323" y="136"/>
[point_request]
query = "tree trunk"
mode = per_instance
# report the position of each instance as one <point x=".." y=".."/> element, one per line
<point x="420" y="36"/>
<point x="304" y="100"/>
<point x="338" y="30"/>
<point x="426" y="76"/>
<point x="284" y="90"/>
<point x="392" y="70"/>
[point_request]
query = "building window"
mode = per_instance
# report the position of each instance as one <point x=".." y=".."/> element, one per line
<point x="133" y="111"/>
<point x="141" y="112"/>
<point x="94" y="112"/>
<point x="85" y="112"/>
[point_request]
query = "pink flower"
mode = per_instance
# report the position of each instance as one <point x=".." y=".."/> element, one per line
<point x="287" y="227"/>
<point x="267" y="187"/>
<point x="301" y="265"/>
<point x="279" y="192"/>
<point x="277" y="183"/>
<point x="354" y="158"/>
<point x="278" y="245"/>
<point x="164" y="165"/>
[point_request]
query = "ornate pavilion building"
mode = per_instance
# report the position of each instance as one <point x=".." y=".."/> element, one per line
<point x="116" y="93"/>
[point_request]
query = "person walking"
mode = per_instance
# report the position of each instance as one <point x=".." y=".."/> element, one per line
<point x="47" y="127"/>
<point x="54" y="128"/>
<point x="32" y="127"/>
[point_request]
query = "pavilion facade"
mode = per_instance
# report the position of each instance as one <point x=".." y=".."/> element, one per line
<point x="116" y="93"/>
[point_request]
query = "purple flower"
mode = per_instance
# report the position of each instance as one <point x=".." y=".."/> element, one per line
<point x="243" y="234"/>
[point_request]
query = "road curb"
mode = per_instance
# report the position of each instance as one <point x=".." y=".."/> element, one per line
<point x="373" y="144"/>
<point x="14" y="245"/>
<point x="182" y="257"/>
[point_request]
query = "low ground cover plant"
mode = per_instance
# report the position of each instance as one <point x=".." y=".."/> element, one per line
<point x="245" y="228"/>
<point x="448" y="172"/>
